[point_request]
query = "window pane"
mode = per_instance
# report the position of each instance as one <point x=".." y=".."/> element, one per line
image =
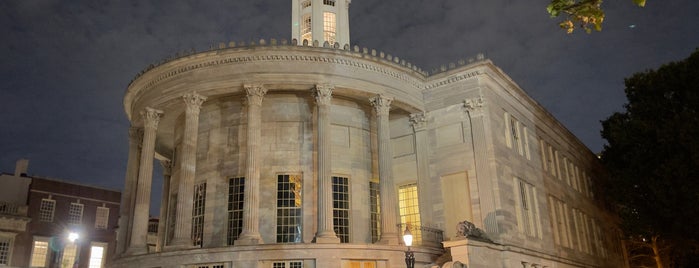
<point x="39" y="253"/>
<point x="96" y="256"/>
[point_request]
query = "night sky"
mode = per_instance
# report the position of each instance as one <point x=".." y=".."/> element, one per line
<point x="65" y="65"/>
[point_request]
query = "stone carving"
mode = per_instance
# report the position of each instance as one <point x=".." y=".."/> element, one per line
<point x="255" y="93"/>
<point x="472" y="104"/>
<point x="468" y="229"/>
<point x="381" y="103"/>
<point x="151" y="117"/>
<point x="193" y="101"/>
<point x="323" y="94"/>
<point x="418" y="121"/>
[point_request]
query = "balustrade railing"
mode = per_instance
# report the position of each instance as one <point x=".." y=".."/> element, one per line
<point x="423" y="235"/>
<point x="7" y="208"/>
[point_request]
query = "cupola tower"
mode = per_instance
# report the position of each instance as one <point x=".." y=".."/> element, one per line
<point x="322" y="20"/>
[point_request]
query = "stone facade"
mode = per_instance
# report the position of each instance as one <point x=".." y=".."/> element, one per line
<point x="257" y="168"/>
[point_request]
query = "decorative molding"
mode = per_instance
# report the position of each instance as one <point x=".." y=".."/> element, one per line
<point x="193" y="101"/>
<point x="323" y="94"/>
<point x="474" y="103"/>
<point x="151" y="117"/>
<point x="453" y="79"/>
<point x="418" y="121"/>
<point x="381" y="103"/>
<point x="255" y="93"/>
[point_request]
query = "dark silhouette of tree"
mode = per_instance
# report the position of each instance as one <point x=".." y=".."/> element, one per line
<point x="653" y="159"/>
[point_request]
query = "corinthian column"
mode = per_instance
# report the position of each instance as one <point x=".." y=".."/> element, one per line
<point x="164" y="205"/>
<point x="388" y="205"/>
<point x="326" y="232"/>
<point x="419" y="124"/>
<point x="185" y="191"/>
<point x="127" y="198"/>
<point x="250" y="234"/>
<point x="139" y="231"/>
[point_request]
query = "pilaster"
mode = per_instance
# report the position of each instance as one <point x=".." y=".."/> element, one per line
<point x="250" y="235"/>
<point x="188" y="157"/>
<point x="326" y="232"/>
<point x="388" y="206"/>
<point x="139" y="232"/>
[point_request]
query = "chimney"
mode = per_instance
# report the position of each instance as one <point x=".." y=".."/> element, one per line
<point x="21" y="168"/>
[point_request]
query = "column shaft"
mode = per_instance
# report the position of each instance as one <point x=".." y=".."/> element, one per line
<point x="250" y="234"/>
<point x="326" y="232"/>
<point x="389" y="216"/>
<point x="139" y="231"/>
<point x="128" y="196"/>
<point x="188" y="161"/>
<point x="164" y="204"/>
<point x="419" y="124"/>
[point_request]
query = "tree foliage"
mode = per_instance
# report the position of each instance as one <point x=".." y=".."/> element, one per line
<point x="588" y="14"/>
<point x="653" y="158"/>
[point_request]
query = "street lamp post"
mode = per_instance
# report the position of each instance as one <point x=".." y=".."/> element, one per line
<point x="409" y="256"/>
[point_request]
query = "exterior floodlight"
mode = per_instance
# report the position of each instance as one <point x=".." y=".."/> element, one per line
<point x="72" y="236"/>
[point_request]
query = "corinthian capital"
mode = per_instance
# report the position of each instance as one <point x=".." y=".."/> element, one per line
<point x="381" y="103"/>
<point x="151" y="117"/>
<point x="193" y="101"/>
<point x="255" y="93"/>
<point x="323" y="94"/>
<point x="473" y="103"/>
<point x="418" y="121"/>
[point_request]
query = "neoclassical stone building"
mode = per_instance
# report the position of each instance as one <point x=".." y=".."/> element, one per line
<point x="313" y="153"/>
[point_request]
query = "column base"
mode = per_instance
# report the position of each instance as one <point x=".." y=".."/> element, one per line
<point x="327" y="238"/>
<point x="248" y="240"/>
<point x="136" y="250"/>
<point x="389" y="239"/>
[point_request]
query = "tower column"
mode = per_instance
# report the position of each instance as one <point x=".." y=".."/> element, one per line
<point x="389" y="234"/>
<point x="326" y="232"/>
<point x="139" y="231"/>
<point x="125" y="219"/>
<point x="164" y="204"/>
<point x="185" y="191"/>
<point x="250" y="235"/>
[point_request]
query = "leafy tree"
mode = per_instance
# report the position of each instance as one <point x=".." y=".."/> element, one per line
<point x="653" y="159"/>
<point x="587" y="13"/>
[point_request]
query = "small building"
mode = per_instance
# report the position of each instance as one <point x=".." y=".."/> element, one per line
<point x="47" y="222"/>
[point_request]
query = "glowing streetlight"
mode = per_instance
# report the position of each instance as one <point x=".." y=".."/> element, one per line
<point x="409" y="256"/>
<point x="72" y="236"/>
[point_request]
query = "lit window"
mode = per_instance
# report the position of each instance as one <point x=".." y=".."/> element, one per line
<point x="97" y="252"/>
<point x="198" y="213"/>
<point x="75" y="213"/>
<point x="40" y="252"/>
<point x="362" y="264"/>
<point x="289" y="212"/>
<point x="410" y="210"/>
<point x="70" y="252"/>
<point x="236" y="187"/>
<point x="101" y="217"/>
<point x="329" y="25"/>
<point x="341" y="208"/>
<point x="374" y="200"/>
<point x="46" y="210"/>
<point x="306" y="29"/>
<point x="5" y="247"/>
<point x="527" y="211"/>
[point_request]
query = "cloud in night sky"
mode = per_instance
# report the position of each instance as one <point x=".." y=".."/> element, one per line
<point x="65" y="65"/>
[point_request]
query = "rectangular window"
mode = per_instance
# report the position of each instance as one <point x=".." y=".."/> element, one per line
<point x="97" y="254"/>
<point x="528" y="211"/>
<point x="542" y="148"/>
<point x="289" y="212"/>
<point x="329" y="27"/>
<point x="75" y="213"/>
<point x="198" y="213"/>
<point x="101" y="218"/>
<point x="551" y="161"/>
<point x="362" y="264"/>
<point x="559" y="221"/>
<point x="40" y="252"/>
<point x="46" y="210"/>
<point x="512" y="134"/>
<point x="70" y="252"/>
<point x="5" y="247"/>
<point x="287" y="264"/>
<point x="341" y="208"/>
<point x="306" y="29"/>
<point x="374" y="199"/>
<point x="236" y="190"/>
<point x="526" y="144"/>
<point x="410" y="210"/>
